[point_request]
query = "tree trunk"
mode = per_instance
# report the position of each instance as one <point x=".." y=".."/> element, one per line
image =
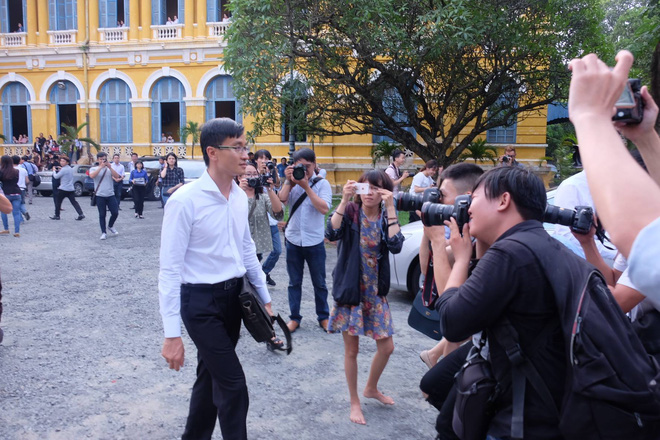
<point x="655" y="80"/>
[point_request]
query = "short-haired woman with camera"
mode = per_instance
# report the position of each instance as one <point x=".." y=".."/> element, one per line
<point x="366" y="230"/>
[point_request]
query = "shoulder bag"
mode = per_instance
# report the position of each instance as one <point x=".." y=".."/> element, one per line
<point x="92" y="201"/>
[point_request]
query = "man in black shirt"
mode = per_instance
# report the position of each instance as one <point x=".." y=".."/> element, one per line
<point x="507" y="282"/>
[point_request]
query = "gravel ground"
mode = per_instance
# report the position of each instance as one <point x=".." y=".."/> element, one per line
<point x="81" y="354"/>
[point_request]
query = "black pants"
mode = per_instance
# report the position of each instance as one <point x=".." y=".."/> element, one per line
<point x="438" y="383"/>
<point x="117" y="186"/>
<point x="55" y="190"/>
<point x="138" y="198"/>
<point x="212" y="317"/>
<point x="71" y="195"/>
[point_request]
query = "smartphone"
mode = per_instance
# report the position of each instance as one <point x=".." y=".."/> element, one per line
<point x="362" y="188"/>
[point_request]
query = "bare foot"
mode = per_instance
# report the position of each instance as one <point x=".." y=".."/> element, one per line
<point x="382" y="398"/>
<point x="356" y="414"/>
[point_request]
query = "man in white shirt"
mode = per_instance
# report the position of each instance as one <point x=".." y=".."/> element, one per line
<point x="206" y="249"/>
<point x="118" y="181"/>
<point x="22" y="184"/>
<point x="422" y="180"/>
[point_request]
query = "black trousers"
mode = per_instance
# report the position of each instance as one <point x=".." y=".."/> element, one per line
<point x="61" y="195"/>
<point x="138" y="198"/>
<point x="438" y="383"/>
<point x="212" y="316"/>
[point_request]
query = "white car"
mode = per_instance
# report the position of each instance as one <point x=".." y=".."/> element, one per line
<point x="404" y="267"/>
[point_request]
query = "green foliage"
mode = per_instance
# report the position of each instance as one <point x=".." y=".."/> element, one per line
<point x="192" y="129"/>
<point x="382" y="150"/>
<point x="563" y="157"/>
<point x="71" y="134"/>
<point x="555" y="135"/>
<point x="480" y="151"/>
<point x="419" y="72"/>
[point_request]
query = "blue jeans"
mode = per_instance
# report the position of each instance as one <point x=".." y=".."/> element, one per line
<point x="164" y="195"/>
<point x="15" y="200"/>
<point x="110" y="203"/>
<point x="270" y="262"/>
<point x="295" y="265"/>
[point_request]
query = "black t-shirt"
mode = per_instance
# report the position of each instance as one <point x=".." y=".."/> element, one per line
<point x="9" y="185"/>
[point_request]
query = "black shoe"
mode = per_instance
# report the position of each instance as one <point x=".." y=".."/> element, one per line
<point x="27" y="216"/>
<point x="80" y="217"/>
<point x="270" y="281"/>
<point x="2" y="335"/>
<point x="54" y="217"/>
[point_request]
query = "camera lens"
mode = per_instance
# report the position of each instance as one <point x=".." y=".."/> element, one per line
<point x="270" y="165"/>
<point x="409" y="202"/>
<point x="299" y="172"/>
<point x="560" y="216"/>
<point x="435" y="214"/>
<point x="253" y="182"/>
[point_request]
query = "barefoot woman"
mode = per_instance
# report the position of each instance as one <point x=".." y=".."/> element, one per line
<point x="367" y="230"/>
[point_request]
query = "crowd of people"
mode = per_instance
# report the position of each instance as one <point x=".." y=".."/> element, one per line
<point x="541" y="337"/>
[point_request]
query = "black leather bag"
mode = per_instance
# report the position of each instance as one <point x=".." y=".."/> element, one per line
<point x="424" y="320"/>
<point x="257" y="320"/>
<point x="476" y="391"/>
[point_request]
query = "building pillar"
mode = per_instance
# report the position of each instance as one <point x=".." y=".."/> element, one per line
<point x="134" y="14"/>
<point x="142" y="131"/>
<point x="200" y="30"/>
<point x="81" y="20"/>
<point x="31" y="22"/>
<point x="145" y="19"/>
<point x="189" y="18"/>
<point x="42" y="21"/>
<point x="93" y="20"/>
<point x="39" y="113"/>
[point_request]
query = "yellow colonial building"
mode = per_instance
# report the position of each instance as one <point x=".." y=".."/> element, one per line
<point x="138" y="70"/>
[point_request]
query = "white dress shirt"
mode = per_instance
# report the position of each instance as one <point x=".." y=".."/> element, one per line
<point x="119" y="168"/>
<point x="573" y="192"/>
<point x="205" y="239"/>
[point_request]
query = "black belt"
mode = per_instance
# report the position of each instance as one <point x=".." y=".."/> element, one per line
<point x="222" y="285"/>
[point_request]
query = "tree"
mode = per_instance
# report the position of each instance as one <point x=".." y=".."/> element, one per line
<point x="72" y="134"/>
<point x="382" y="150"/>
<point x="191" y="129"/>
<point x="431" y="75"/>
<point x="480" y="151"/>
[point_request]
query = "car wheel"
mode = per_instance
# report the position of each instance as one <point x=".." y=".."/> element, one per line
<point x="414" y="274"/>
<point x="78" y="189"/>
<point x="46" y="193"/>
<point x="154" y="193"/>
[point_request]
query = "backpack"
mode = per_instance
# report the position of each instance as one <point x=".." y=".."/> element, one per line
<point x="612" y="389"/>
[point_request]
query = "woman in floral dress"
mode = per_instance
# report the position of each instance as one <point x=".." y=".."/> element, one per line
<point x="366" y="229"/>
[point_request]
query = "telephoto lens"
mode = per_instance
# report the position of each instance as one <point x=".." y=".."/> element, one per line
<point x="579" y="219"/>
<point x="435" y="214"/>
<point x="270" y="165"/>
<point x="414" y="202"/>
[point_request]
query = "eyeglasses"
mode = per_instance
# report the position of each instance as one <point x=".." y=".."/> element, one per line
<point x="239" y="150"/>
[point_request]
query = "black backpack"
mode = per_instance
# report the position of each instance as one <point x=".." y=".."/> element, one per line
<point x="612" y="389"/>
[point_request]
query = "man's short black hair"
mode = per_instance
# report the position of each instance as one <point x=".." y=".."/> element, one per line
<point x="216" y="131"/>
<point x="65" y="157"/>
<point x="134" y="154"/>
<point x="25" y="158"/>
<point x="305" y="154"/>
<point x="463" y="176"/>
<point x="263" y="153"/>
<point x="525" y="187"/>
<point x="101" y="154"/>
<point x="396" y="153"/>
<point x="16" y="159"/>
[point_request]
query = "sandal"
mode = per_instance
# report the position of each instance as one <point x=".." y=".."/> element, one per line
<point x="275" y="344"/>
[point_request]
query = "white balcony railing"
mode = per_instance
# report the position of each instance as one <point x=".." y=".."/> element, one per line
<point x="13" y="40"/>
<point x="113" y="35"/>
<point x="167" y="31"/>
<point x="218" y="29"/>
<point x="62" y="37"/>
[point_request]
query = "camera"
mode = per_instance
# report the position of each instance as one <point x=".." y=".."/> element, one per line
<point x="579" y="219"/>
<point x="254" y="182"/>
<point x="630" y="106"/>
<point x="264" y="179"/>
<point x="299" y="171"/>
<point x="412" y="173"/>
<point x="270" y="165"/>
<point x="506" y="159"/>
<point x="434" y="214"/>
<point x="413" y="202"/>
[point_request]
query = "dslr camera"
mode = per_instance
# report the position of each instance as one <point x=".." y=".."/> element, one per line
<point x="264" y="180"/>
<point x="579" y="219"/>
<point x="270" y="165"/>
<point x="299" y="171"/>
<point x="254" y="182"/>
<point x="413" y="202"/>
<point x="434" y="214"/>
<point x="506" y="158"/>
<point x="630" y="106"/>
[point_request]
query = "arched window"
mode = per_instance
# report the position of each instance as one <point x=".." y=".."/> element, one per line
<point x="116" y="112"/>
<point x="63" y="15"/>
<point x="220" y="99"/>
<point x="16" y="116"/>
<point x="168" y="111"/>
<point x="65" y="96"/>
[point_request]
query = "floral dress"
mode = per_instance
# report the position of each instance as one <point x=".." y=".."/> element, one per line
<point x="372" y="316"/>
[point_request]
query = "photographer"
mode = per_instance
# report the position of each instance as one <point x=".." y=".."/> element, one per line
<point x="266" y="167"/>
<point x="104" y="176"/>
<point x="594" y="91"/>
<point x="422" y="180"/>
<point x="309" y="199"/>
<point x="66" y="190"/>
<point x="366" y="229"/>
<point x="509" y="158"/>
<point x="394" y="171"/>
